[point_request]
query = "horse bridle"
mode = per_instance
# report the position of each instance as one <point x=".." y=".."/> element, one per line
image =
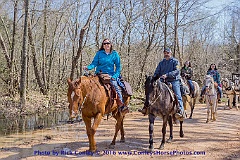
<point x="210" y="87"/>
<point x="227" y="86"/>
<point x="150" y="104"/>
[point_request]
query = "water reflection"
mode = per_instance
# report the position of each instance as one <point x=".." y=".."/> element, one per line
<point x="23" y="123"/>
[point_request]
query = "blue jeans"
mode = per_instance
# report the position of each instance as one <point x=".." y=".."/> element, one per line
<point x="177" y="91"/>
<point x="204" y="88"/>
<point x="117" y="88"/>
<point x="191" y="85"/>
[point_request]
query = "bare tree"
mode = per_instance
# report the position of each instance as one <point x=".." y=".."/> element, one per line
<point x="81" y="36"/>
<point x="24" y="59"/>
<point x="152" y="24"/>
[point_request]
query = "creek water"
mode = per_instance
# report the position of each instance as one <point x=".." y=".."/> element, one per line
<point x="24" y="123"/>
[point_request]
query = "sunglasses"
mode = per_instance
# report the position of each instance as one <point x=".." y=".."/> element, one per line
<point x="106" y="43"/>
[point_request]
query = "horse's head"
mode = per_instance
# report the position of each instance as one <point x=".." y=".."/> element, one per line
<point x="74" y="96"/>
<point x="225" y="83"/>
<point x="209" y="83"/>
<point x="150" y="90"/>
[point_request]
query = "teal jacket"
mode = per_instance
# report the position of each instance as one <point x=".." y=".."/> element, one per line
<point x="106" y="63"/>
<point x="215" y="75"/>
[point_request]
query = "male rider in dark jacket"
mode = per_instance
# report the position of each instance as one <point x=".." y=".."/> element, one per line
<point x="168" y="70"/>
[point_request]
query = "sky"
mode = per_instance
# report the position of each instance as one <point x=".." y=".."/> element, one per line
<point x="220" y="4"/>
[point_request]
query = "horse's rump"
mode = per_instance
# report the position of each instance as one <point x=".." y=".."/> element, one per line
<point x="125" y="86"/>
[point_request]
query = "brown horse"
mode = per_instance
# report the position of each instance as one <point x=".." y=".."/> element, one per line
<point x="91" y="96"/>
<point x="190" y="100"/>
<point x="228" y="90"/>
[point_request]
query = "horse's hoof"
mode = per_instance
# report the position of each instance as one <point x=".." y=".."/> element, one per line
<point x="181" y="135"/>
<point x="190" y="117"/>
<point x="111" y="146"/>
<point x="161" y="147"/>
<point x="207" y="121"/>
<point x="91" y="151"/>
<point x="151" y="149"/>
<point x="122" y="140"/>
<point x="169" y="140"/>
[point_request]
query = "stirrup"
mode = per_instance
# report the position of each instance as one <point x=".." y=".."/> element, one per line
<point x="201" y="100"/>
<point x="122" y="108"/>
<point x="143" y="110"/>
<point x="180" y="116"/>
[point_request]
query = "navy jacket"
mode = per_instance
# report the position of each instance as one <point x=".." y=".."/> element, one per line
<point x="169" y="67"/>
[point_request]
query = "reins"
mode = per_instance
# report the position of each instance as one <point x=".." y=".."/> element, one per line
<point x="156" y="98"/>
<point x="211" y="95"/>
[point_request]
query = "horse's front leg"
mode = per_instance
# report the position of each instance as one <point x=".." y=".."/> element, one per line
<point x="214" y="114"/>
<point x="165" y="119"/>
<point x="118" y="126"/>
<point x="92" y="130"/>
<point x="193" y="102"/>
<point x="236" y="103"/>
<point x="208" y="110"/>
<point x="230" y="98"/>
<point x="87" y="122"/>
<point x="122" y="140"/>
<point x="97" y="121"/>
<point x="181" y="129"/>
<point x="170" y="123"/>
<point x="151" y="119"/>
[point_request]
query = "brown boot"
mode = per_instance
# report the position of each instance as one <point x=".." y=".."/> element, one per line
<point x="143" y="110"/>
<point x="123" y="108"/>
<point x="180" y="116"/>
<point x="201" y="99"/>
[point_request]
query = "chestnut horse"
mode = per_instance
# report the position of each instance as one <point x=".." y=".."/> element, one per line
<point x="89" y="94"/>
<point x="160" y="102"/>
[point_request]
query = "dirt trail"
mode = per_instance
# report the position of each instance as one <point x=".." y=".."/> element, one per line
<point x="215" y="140"/>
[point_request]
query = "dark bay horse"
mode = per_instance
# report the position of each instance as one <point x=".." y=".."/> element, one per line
<point x="90" y="95"/>
<point x="160" y="102"/>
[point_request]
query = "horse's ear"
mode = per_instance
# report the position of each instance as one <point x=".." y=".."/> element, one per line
<point x="77" y="82"/>
<point x="146" y="76"/>
<point x="69" y="81"/>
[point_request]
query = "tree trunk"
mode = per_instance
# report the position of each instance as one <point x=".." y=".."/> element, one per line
<point x="165" y="22"/>
<point x="24" y="60"/>
<point x="12" y="86"/>
<point x="35" y="62"/>
<point x="43" y="43"/>
<point x="175" y="27"/>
